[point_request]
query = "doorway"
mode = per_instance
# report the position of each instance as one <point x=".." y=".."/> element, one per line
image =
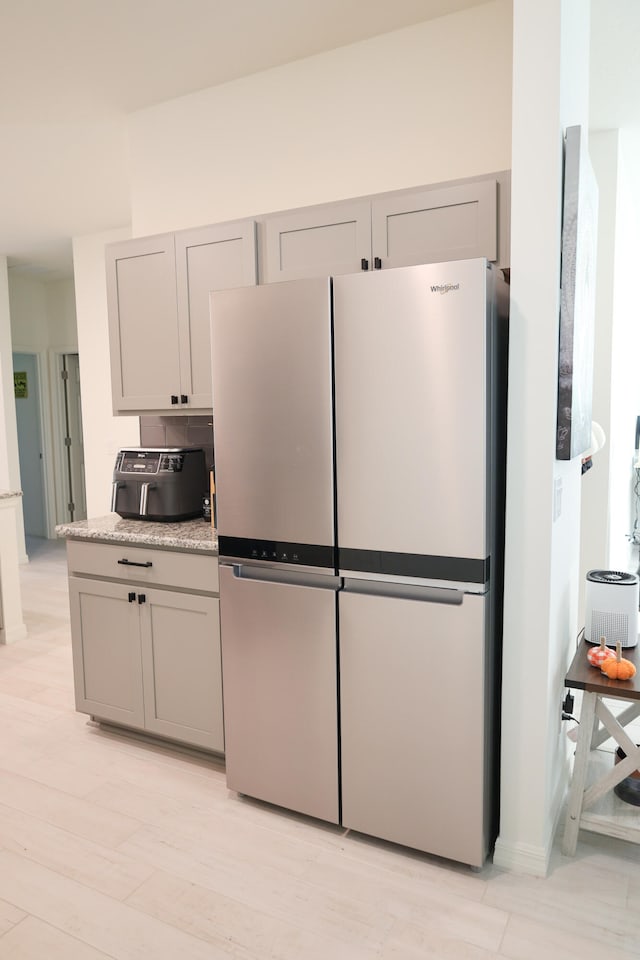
<point x="30" y="449"/>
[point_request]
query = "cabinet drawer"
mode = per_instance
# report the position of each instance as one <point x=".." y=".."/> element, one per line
<point x="182" y="571"/>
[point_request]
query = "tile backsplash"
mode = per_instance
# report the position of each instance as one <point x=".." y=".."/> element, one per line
<point x="188" y="431"/>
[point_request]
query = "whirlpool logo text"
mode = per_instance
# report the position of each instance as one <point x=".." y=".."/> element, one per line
<point x="444" y="287"/>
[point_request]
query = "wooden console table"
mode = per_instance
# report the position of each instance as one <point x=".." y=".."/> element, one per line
<point x="597" y="724"/>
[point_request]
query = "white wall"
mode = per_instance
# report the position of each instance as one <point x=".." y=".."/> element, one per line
<point x="9" y="462"/>
<point x="420" y="105"/>
<point x="542" y="555"/>
<point x="625" y="385"/>
<point x="609" y="503"/>
<point x="60" y="300"/>
<point x="28" y="313"/>
<point x="429" y="103"/>
<point x="43" y="319"/>
<point x="594" y="545"/>
<point x="104" y="434"/>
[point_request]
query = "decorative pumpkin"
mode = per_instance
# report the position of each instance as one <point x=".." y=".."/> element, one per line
<point x="619" y="668"/>
<point x="597" y="655"/>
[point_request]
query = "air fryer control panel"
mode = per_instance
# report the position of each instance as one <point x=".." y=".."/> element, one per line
<point x="149" y="462"/>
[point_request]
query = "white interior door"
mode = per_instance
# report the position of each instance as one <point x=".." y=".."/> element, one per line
<point x="25" y="367"/>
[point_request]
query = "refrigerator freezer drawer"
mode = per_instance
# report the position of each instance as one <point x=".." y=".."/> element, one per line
<point x="414" y="723"/>
<point x="279" y="671"/>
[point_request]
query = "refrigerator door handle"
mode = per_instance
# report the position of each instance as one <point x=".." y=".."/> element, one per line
<point x="405" y="591"/>
<point x="320" y="581"/>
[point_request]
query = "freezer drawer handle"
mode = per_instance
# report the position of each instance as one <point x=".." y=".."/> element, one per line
<point x="266" y="575"/>
<point x="132" y="563"/>
<point x="401" y="591"/>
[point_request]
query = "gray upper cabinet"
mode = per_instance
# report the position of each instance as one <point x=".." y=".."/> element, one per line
<point x="209" y="258"/>
<point x="158" y="303"/>
<point x="317" y="241"/>
<point x="455" y="222"/>
<point x="143" y="329"/>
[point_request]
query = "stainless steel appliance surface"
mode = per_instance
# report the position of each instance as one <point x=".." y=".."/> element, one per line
<point x="359" y="450"/>
<point x="276" y="536"/>
<point x="159" y="483"/>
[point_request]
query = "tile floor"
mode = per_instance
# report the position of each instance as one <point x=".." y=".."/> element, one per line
<point x="114" y="848"/>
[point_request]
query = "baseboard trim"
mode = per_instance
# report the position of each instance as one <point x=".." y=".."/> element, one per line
<point x="13" y="634"/>
<point x="523" y="857"/>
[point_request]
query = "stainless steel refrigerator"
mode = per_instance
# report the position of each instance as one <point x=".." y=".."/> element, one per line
<point x="359" y="431"/>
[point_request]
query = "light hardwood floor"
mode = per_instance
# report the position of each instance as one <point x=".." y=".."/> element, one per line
<point x="112" y="847"/>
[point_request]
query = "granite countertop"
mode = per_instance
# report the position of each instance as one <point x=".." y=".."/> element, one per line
<point x="196" y="536"/>
<point x="5" y="494"/>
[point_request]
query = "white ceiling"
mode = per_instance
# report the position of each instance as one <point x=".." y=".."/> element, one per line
<point x="71" y="70"/>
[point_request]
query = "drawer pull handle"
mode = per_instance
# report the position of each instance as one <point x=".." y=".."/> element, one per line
<point x="132" y="597"/>
<point x="132" y="563"/>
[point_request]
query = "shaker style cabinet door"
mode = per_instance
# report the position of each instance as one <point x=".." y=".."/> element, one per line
<point x="317" y="241"/>
<point x="107" y="663"/>
<point x="209" y="258"/>
<point x="457" y="222"/>
<point x="181" y="667"/>
<point x="158" y="301"/>
<point x="143" y="328"/>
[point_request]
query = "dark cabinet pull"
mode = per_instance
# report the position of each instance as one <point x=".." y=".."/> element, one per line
<point x="132" y="597"/>
<point x="184" y="398"/>
<point x="142" y="598"/>
<point x="132" y="563"/>
<point x="174" y="398"/>
<point x="364" y="264"/>
<point x="377" y="263"/>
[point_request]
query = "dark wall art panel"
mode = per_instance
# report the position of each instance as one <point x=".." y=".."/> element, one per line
<point x="577" y="302"/>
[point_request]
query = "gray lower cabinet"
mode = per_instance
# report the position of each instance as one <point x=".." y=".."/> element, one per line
<point x="181" y="667"/>
<point x="158" y="305"/>
<point x="147" y="658"/>
<point x="107" y="654"/>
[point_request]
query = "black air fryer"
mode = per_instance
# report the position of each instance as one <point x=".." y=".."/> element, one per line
<point x="163" y="484"/>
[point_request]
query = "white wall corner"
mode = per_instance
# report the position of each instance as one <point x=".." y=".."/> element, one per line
<point x="103" y="432"/>
<point x="520" y="857"/>
<point x="530" y="858"/>
<point x="542" y="530"/>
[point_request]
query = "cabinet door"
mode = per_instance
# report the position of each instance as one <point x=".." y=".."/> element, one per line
<point x="458" y="222"/>
<point x="317" y="241"/>
<point x="107" y="663"/>
<point x="211" y="258"/>
<point x="143" y="323"/>
<point x="181" y="666"/>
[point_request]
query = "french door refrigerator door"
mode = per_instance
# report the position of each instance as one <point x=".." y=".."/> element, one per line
<point x="280" y="687"/>
<point x="416" y="712"/>
<point x="412" y="421"/>
<point x="273" y="430"/>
